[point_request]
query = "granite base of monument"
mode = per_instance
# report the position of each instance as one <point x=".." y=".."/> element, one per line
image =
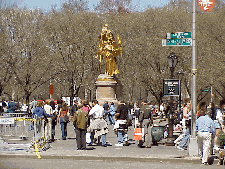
<point x="106" y="86"/>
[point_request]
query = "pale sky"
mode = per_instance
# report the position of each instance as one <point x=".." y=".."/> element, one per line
<point x="46" y="4"/>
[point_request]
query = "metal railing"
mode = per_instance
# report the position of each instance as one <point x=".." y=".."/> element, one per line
<point x="16" y="127"/>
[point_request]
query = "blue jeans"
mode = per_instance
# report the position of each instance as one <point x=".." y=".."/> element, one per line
<point x="63" y="129"/>
<point x="122" y="136"/>
<point x="103" y="139"/>
<point x="106" y="113"/>
<point x="184" y="142"/>
<point x="111" y="117"/>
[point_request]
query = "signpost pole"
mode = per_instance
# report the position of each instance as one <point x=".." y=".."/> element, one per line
<point x="193" y="150"/>
<point x="194" y="70"/>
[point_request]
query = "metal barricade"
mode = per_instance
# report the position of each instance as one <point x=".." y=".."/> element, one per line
<point x="16" y="127"/>
<point x="39" y="128"/>
<point x="43" y="128"/>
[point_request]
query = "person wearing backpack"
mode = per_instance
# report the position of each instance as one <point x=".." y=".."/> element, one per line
<point x="80" y="121"/>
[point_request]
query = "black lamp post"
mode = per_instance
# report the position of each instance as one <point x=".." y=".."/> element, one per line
<point x="180" y="74"/>
<point x="172" y="60"/>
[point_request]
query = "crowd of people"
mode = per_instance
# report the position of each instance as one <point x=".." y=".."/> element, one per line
<point x="91" y="121"/>
<point x="208" y="126"/>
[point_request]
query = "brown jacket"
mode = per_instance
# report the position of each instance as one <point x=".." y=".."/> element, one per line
<point x="80" y="119"/>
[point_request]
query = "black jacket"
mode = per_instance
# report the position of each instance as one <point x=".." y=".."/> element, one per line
<point x="123" y="112"/>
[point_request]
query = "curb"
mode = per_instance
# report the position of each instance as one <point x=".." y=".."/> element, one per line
<point x="182" y="159"/>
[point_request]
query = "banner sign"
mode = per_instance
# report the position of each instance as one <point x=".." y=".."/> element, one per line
<point x="6" y="120"/>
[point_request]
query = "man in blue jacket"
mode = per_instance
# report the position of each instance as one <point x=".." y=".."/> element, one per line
<point x="205" y="128"/>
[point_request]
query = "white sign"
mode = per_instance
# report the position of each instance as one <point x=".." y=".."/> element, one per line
<point x="66" y="100"/>
<point x="6" y="120"/>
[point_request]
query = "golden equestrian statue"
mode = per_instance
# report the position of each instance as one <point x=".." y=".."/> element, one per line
<point x="108" y="49"/>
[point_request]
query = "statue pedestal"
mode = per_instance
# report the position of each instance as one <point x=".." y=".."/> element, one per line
<point x="105" y="91"/>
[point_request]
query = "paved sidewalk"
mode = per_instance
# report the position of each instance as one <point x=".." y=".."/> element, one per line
<point x="62" y="149"/>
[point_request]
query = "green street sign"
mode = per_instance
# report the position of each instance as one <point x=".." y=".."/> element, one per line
<point x="177" y="42"/>
<point x="207" y="90"/>
<point x="178" y="35"/>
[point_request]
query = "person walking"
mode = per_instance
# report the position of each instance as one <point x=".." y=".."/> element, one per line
<point x="63" y="112"/>
<point x="205" y="128"/>
<point x="120" y="126"/>
<point x="112" y="112"/>
<point x="146" y="122"/>
<point x="80" y="121"/>
<point x="39" y="112"/>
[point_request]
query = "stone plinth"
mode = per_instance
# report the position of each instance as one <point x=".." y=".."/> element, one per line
<point x="105" y="91"/>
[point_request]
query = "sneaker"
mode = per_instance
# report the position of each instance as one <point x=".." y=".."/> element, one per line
<point x="205" y="163"/>
<point x="127" y="143"/>
<point x="216" y="148"/>
<point x="119" y="144"/>
<point x="180" y="148"/>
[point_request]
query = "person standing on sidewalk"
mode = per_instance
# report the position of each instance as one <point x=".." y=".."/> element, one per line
<point x="120" y="126"/>
<point x="11" y="106"/>
<point x="80" y="121"/>
<point x="205" y="128"/>
<point x="98" y="124"/>
<point x="183" y="145"/>
<point x="50" y="129"/>
<point x="106" y="112"/>
<point x="73" y="108"/>
<point x="146" y="122"/>
<point x="217" y="116"/>
<point x="62" y="112"/>
<point x="33" y="104"/>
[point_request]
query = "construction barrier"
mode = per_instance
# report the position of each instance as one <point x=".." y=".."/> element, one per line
<point x="17" y="127"/>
